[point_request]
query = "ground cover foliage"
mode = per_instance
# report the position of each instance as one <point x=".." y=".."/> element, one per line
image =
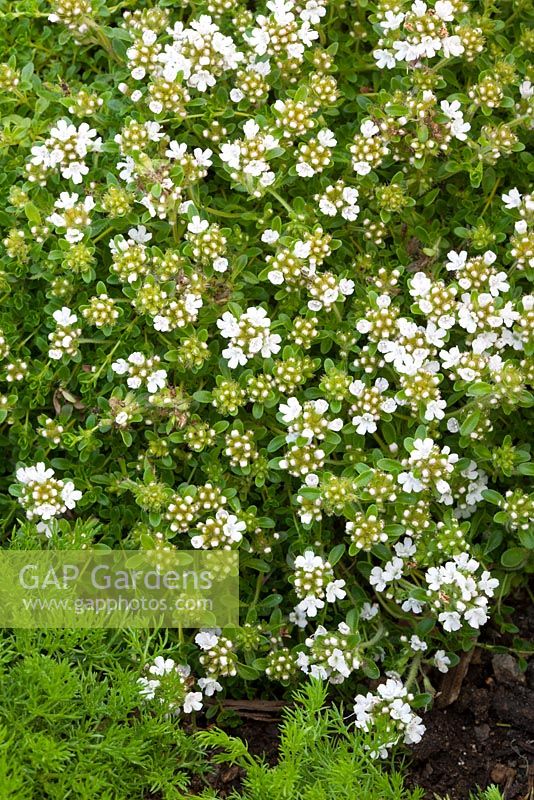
<point x="265" y="285"/>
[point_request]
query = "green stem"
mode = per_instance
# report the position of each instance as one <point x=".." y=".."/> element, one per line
<point x="414" y="669"/>
<point x="282" y="202"/>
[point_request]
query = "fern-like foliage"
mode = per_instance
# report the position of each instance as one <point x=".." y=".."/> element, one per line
<point x="321" y="758"/>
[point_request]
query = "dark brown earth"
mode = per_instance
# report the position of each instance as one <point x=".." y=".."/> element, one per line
<point x="262" y="738"/>
<point x="487" y="735"/>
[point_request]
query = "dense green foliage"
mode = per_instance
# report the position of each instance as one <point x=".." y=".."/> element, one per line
<point x="265" y="285"/>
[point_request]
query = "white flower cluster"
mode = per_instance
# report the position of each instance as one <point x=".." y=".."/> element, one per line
<point x="141" y="371"/>
<point x="428" y="466"/>
<point x="314" y="584"/>
<point x="457" y="594"/>
<point x="72" y="215"/>
<point x="286" y="32"/>
<point x="330" y="656"/>
<point x="295" y="266"/>
<point x="200" y="53"/>
<point x="63" y="341"/>
<point x="308" y="421"/>
<point x="168" y="683"/>
<point x="249" y="334"/>
<point x="457" y="126"/>
<point x="421" y="32"/>
<point x="65" y="150"/>
<point x="222" y="531"/>
<point x="247" y="159"/>
<point x="370" y="405"/>
<point x="43" y="495"/>
<point x="218" y="657"/>
<point x="390" y="713"/>
<point x="339" y="198"/>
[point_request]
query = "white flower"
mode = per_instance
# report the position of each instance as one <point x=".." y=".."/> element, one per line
<point x="228" y="325"/>
<point x="513" y="199"/>
<point x="313" y="12"/>
<point x="369" y="611"/>
<point x="377" y="579"/>
<point x="310" y="605"/>
<point x="450" y="620"/>
<point x="498" y="283"/>
<point x="404" y="51"/>
<point x="269" y="236"/>
<point x="459" y="129"/>
<point x="209" y="686"/>
<point x="36" y="474"/>
<point x="309" y="561"/>
<point x="75" y="171"/>
<point x="417" y="644"/>
<point x="298" y="618"/>
<point x="338" y="663"/>
<point x="409" y="482"/>
<point x="233" y="528"/>
<point x="452" y="46"/>
<point x="148" y="687"/>
<point x="364" y="423"/>
<point x="319" y="672"/>
<point x="487" y="583"/>
<point x="384" y="59"/>
<point x="70" y="495"/>
<point x="405" y="548"/>
<point x="476" y="616"/>
<point x="334" y="591"/>
<point x="276" y="277"/>
<point x="451" y="110"/>
<point x="326" y="138"/>
<point x="420" y="285"/>
<point x="206" y="639"/>
<point x="435" y="409"/>
<point x="444" y="10"/>
<point x="419" y="8"/>
<point x="162" y="666"/>
<point x="156" y="380"/>
<point x="235" y="356"/>
<point x="291" y="410"/>
<point x="369" y="129"/>
<point x="307" y="35"/>
<point x="139" y="235"/>
<point x="192" y="702"/>
<point x="421" y="449"/>
<point x="346" y="287"/>
<point x="442" y="661"/>
<point x="176" y="150"/>
<point x="197" y="225"/>
<point x="64" y="316"/>
<point x="120" y="367"/>
<point x="456" y="260"/>
<point x="411" y="605"/>
<point x="414" y="731"/>
<point x="392" y="21"/>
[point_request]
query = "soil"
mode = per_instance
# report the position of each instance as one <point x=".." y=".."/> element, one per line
<point x="487" y="735"/>
<point x="479" y="732"/>
<point x="262" y="738"/>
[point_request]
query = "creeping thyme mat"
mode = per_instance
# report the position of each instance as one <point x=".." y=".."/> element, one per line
<point x="265" y="286"/>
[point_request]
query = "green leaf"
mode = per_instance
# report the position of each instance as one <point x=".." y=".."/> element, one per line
<point x="493" y="497"/>
<point x="470" y="422"/>
<point x="336" y="553"/>
<point x="247" y="673"/>
<point x="202" y="396"/>
<point x="514" y="557"/>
